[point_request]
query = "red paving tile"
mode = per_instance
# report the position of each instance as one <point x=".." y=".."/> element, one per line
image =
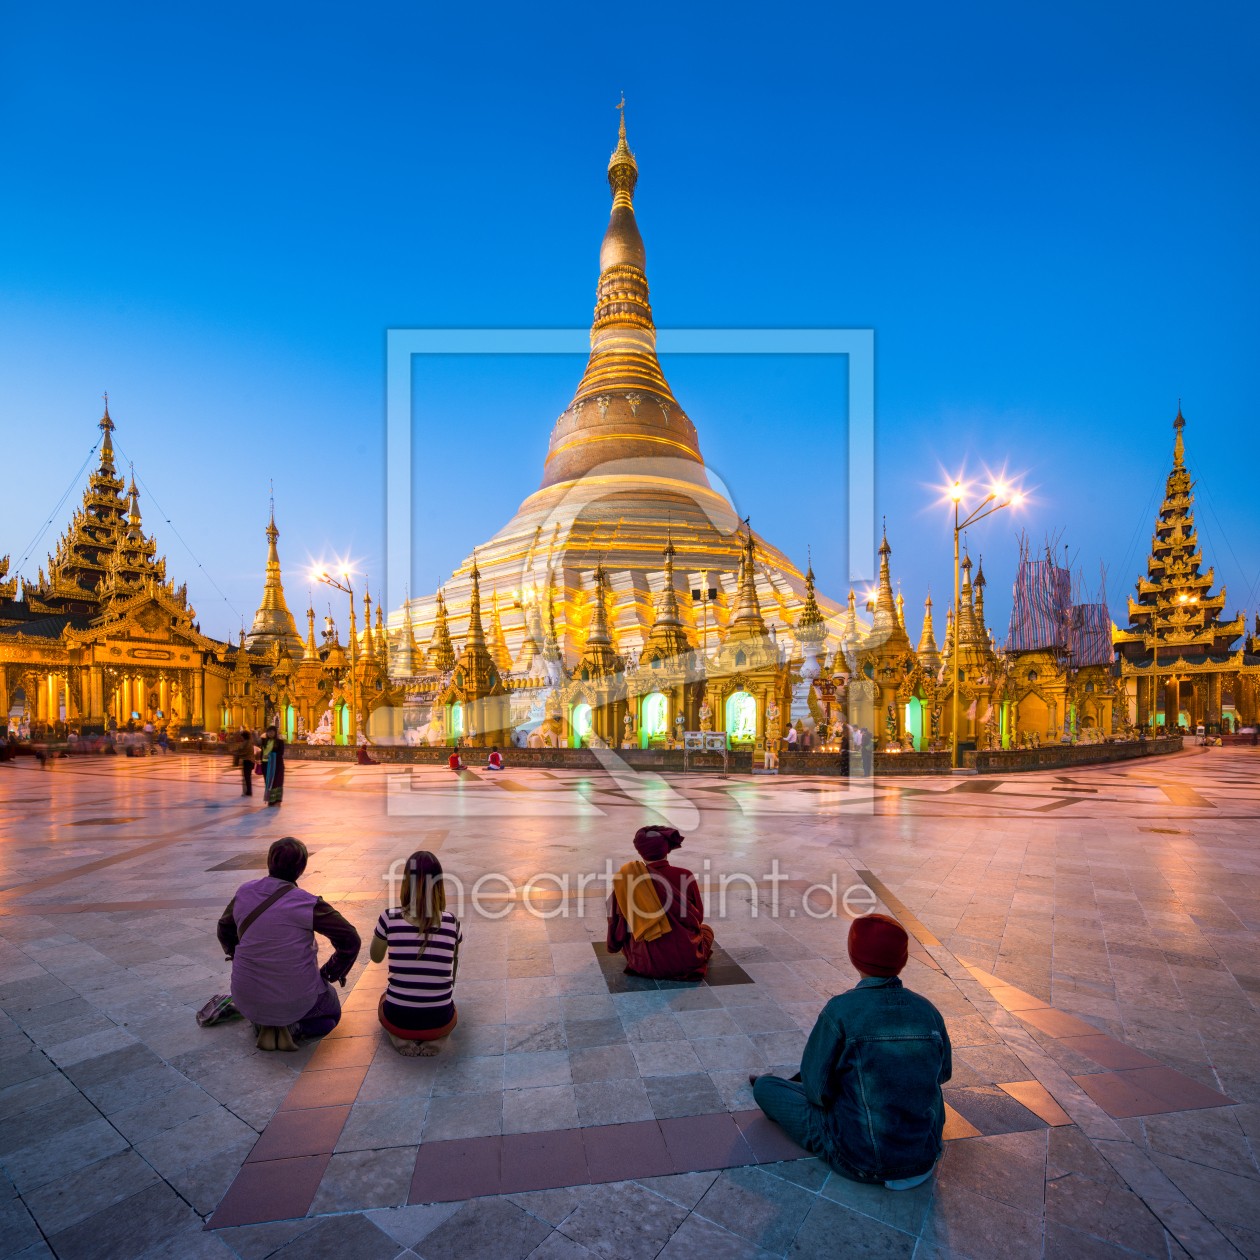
<point x="292" y="1133"/>
<point x="1119" y="1098"/>
<point x="278" y="1190"/>
<point x="1180" y="1091"/>
<point x="343" y="1052"/>
<point x="333" y="1088"/>
<point x="621" y="1152"/>
<point x="1037" y="1098"/>
<point x="1058" y="1023"/>
<point x="766" y="1139"/>
<point x="1109" y="1052"/>
<point x="463" y="1169"/>
<point x="542" y="1161"/>
<point x="698" y="1143"/>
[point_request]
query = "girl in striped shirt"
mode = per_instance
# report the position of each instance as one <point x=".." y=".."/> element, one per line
<point x="422" y="939"/>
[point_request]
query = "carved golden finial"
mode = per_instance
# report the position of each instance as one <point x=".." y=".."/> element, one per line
<point x="1179" y="447"/>
<point x="623" y="170"/>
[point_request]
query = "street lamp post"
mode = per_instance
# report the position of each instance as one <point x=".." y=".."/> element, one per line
<point x="956" y="493"/>
<point x="353" y="735"/>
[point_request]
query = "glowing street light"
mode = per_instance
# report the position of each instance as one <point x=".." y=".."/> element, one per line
<point x="1009" y="498"/>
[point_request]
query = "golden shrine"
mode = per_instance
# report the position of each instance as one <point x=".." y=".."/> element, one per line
<point x="105" y="641"/>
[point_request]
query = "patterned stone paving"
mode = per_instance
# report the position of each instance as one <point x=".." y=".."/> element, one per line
<point x="1090" y="939"/>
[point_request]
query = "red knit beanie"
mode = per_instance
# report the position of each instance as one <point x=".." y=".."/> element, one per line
<point x="878" y="945"/>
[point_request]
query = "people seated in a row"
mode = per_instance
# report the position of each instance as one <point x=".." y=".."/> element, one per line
<point x="268" y="933"/>
<point x="867" y="1098"/>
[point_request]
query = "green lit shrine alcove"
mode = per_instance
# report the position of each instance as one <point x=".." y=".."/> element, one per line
<point x="454" y="723"/>
<point x="741" y="718"/>
<point x="580" y="726"/>
<point x="914" y="721"/>
<point x="654" y="725"/>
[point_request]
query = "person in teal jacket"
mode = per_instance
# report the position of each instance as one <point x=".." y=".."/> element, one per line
<point x="868" y="1096"/>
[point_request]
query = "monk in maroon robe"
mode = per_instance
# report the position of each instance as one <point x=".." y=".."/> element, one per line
<point x="674" y="942"/>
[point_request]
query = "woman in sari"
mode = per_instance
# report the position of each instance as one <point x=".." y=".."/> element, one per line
<point x="273" y="760"/>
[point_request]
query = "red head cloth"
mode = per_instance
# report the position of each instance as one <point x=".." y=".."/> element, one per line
<point x="878" y="945"/>
<point x="655" y="843"/>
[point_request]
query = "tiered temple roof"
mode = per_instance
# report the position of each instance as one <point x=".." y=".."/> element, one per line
<point x="1175" y="611"/>
<point x="104" y="555"/>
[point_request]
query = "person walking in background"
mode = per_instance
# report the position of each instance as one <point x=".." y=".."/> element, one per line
<point x="268" y="934"/>
<point x="273" y="761"/>
<point x="244" y="756"/>
<point x="421" y="938"/>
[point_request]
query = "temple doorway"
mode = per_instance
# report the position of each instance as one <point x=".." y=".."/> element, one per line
<point x="655" y="721"/>
<point x="914" y="722"/>
<point x="580" y="725"/>
<point x="741" y="718"/>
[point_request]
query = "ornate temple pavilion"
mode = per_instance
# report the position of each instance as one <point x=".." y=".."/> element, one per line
<point x="1180" y="662"/>
<point x="623" y="484"/>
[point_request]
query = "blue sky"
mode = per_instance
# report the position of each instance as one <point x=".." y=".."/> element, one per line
<point x="1047" y="216"/>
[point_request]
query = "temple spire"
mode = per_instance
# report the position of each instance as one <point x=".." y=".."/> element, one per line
<point x="273" y="622"/>
<point x="927" y="651"/>
<point x="476" y="633"/>
<point x="107" y="445"/>
<point x="368" y="646"/>
<point x="441" y="650"/>
<point x="810" y="626"/>
<point x="884" y="620"/>
<point x="746" y="620"/>
<point x="1179" y="446"/>
<point x="623" y="408"/>
<point x="311" y="653"/>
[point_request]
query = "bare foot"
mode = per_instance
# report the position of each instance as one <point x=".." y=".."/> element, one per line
<point x="266" y="1038"/>
<point x="284" y="1039"/>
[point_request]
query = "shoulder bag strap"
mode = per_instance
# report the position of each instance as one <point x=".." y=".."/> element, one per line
<point x="266" y="905"/>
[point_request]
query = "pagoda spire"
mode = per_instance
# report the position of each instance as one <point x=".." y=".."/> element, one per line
<point x="498" y="644"/>
<point x="667" y="637"/>
<point x="382" y="639"/>
<point x="927" y="651"/>
<point x="369" y="648"/>
<point x="476" y="633"/>
<point x="746" y="620"/>
<point x="107" y="445"/>
<point x="273" y="622"/>
<point x="441" y="651"/>
<point x="408" y="651"/>
<point x="311" y="653"/>
<point x="1179" y="446"/>
<point x="810" y="626"/>
<point x="598" y="658"/>
<point x="884" y="621"/>
<point x="978" y="588"/>
<point x="623" y="407"/>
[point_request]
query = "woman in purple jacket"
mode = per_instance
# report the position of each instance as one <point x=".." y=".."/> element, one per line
<point x="268" y="934"/>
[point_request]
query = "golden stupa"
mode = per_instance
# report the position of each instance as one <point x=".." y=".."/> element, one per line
<point x="624" y="478"/>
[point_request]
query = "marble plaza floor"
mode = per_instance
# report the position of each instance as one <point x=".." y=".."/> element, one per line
<point x="1091" y="939"/>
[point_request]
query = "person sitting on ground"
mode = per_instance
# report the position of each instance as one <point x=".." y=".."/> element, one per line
<point x="868" y="1095"/>
<point x="656" y="914"/>
<point x="494" y="761"/>
<point x="421" y="937"/>
<point x="268" y="934"/>
<point x="453" y="762"/>
<point x="364" y="759"/>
